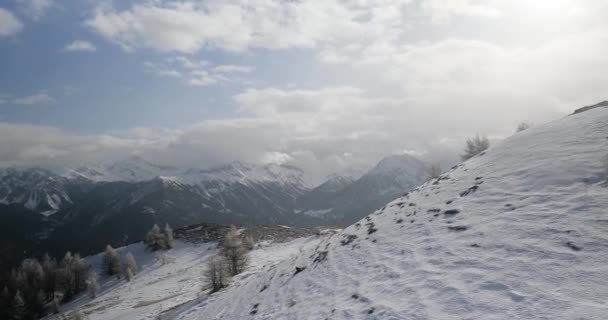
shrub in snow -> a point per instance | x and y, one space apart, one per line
475 146
523 126
111 262
76 315
235 252
216 273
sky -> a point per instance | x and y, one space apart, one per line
328 85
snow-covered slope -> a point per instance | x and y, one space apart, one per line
162 290
518 232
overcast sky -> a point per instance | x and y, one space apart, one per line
324 84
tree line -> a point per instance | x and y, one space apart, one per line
38 287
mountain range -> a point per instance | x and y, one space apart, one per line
83 209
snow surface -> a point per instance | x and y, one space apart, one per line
162 290
518 232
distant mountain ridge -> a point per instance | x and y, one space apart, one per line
345 202
85 208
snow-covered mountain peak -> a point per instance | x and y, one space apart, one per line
34 188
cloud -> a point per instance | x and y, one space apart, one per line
237 26
9 24
233 68
35 9
41 98
197 72
442 10
79 45
28 145
397 76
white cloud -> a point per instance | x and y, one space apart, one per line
229 68
189 26
80 45
196 72
9 24
440 10
418 76
35 9
41 98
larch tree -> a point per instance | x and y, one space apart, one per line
129 266
216 273
111 262
234 251
155 240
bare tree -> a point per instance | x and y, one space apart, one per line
523 126
111 262
216 273
234 251
475 146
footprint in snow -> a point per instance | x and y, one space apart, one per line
495 286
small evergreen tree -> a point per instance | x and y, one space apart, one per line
80 269
111 262
49 266
18 307
155 240
129 266
92 284
168 237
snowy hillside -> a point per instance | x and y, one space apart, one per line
162 290
518 232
